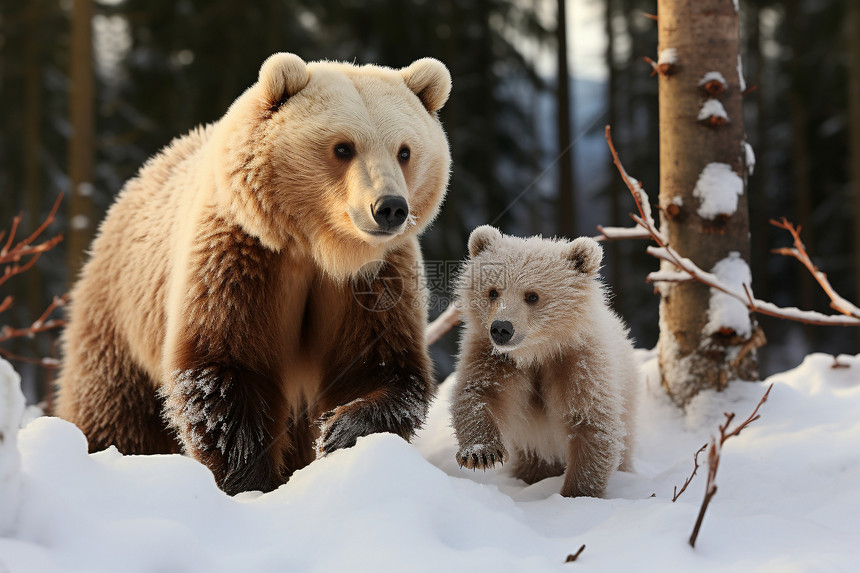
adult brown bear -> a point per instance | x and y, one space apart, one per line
218 313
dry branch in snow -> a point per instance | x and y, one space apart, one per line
676 493
12 257
688 270
573 556
714 450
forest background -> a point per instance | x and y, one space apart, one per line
90 89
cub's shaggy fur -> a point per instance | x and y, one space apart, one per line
256 277
545 373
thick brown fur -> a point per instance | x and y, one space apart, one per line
238 304
558 397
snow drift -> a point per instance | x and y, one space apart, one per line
788 499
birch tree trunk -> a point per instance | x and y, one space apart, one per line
82 144
703 200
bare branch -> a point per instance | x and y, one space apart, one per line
449 318
11 255
664 252
676 493
40 325
573 556
715 448
15 222
48 220
618 233
837 303
49 363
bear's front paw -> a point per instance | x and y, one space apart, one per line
482 456
341 427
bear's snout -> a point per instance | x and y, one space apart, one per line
390 211
501 331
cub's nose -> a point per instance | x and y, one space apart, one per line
501 331
390 211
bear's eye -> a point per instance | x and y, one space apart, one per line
532 297
404 154
494 294
344 151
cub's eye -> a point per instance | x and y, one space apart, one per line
532 298
344 151
494 294
404 154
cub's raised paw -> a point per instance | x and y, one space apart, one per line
482 456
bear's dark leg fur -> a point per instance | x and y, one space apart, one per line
397 405
386 385
224 397
531 468
230 419
299 450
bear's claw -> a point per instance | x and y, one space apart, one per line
481 456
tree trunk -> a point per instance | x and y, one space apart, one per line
612 119
82 144
566 202
701 335
853 33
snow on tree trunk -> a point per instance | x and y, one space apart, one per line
11 410
703 180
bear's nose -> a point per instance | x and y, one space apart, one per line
501 331
390 211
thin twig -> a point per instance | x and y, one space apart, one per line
574 556
676 493
837 303
714 450
10 255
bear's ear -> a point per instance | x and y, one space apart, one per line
282 76
430 80
481 238
585 255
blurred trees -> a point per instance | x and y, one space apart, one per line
163 66
82 139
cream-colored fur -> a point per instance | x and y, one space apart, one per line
218 307
560 392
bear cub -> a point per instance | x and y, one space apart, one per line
545 375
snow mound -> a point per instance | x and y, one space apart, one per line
789 494
11 412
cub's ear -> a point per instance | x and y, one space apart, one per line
430 80
282 76
481 238
585 255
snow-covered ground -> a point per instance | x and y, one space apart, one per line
788 498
